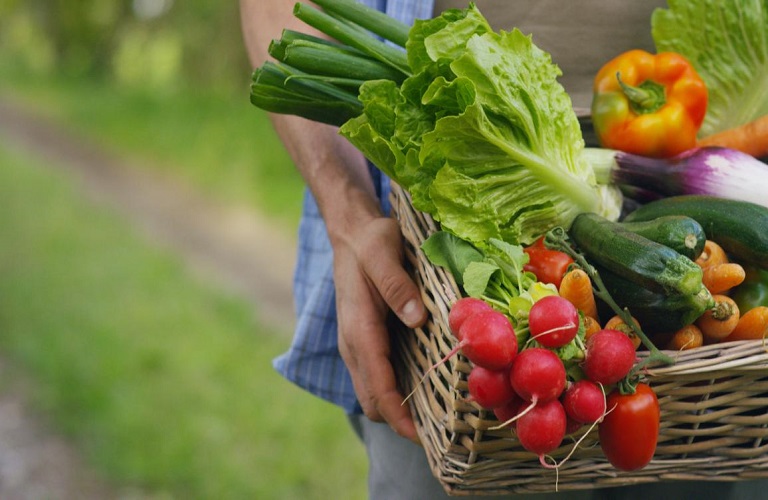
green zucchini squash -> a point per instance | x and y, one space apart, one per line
678 232
635 258
740 227
655 312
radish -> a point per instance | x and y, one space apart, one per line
584 402
542 429
488 340
490 388
571 426
463 309
538 375
553 321
609 358
508 411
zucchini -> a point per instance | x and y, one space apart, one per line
678 232
740 227
635 258
655 312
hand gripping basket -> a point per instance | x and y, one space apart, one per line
714 406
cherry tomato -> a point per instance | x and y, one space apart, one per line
630 430
548 265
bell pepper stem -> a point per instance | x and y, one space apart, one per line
648 97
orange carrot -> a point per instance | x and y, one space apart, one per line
719 321
750 138
720 278
591 326
576 287
711 255
752 325
616 323
687 337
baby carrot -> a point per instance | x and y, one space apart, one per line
752 325
616 323
576 287
687 337
750 138
711 255
717 323
591 326
719 278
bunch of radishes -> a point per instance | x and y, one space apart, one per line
530 389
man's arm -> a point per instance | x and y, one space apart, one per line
367 245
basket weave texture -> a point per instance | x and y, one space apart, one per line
714 405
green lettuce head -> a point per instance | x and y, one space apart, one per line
482 136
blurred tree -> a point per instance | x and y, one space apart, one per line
82 32
193 42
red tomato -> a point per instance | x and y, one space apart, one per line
549 266
630 430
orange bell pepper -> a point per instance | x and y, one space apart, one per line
650 105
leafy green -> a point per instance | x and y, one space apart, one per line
727 43
482 135
495 274
446 250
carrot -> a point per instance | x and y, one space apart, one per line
711 255
591 326
687 337
616 323
720 278
719 321
750 138
576 287
753 325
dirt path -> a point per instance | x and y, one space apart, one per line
232 247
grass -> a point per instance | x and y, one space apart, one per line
215 140
164 382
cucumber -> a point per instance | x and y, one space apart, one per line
678 232
635 258
740 227
655 312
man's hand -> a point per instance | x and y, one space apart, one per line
370 280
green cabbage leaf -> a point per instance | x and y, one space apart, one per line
727 43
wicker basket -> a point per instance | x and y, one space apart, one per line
714 406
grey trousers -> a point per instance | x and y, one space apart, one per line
398 470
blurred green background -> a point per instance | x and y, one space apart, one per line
162 380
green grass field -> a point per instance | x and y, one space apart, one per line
162 381
216 141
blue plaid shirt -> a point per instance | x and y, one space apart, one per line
313 361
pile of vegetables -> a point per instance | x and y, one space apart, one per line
474 125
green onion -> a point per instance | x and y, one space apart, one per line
319 78
322 59
280 89
353 36
373 20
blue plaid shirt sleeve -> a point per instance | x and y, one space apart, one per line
313 361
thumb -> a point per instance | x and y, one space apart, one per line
402 295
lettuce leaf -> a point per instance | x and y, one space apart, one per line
482 136
727 43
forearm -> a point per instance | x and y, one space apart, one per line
334 170
368 272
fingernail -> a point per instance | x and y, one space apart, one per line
411 312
